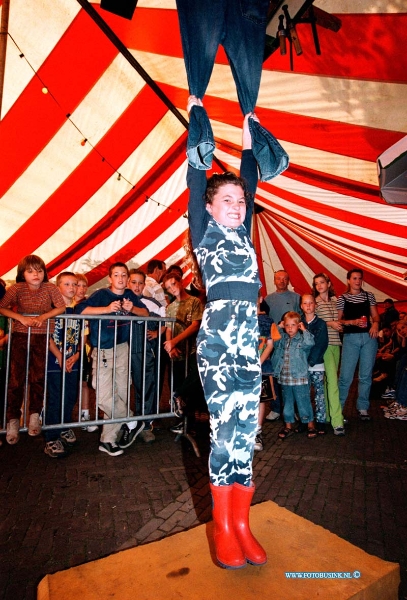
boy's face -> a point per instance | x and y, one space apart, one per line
173 287
118 280
308 306
67 286
136 284
81 290
291 326
387 332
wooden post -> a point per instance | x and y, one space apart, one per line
5 11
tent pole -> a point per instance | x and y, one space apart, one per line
116 41
5 12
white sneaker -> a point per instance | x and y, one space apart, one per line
89 428
258 443
272 416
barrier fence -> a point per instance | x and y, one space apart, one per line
150 356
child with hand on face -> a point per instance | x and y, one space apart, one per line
290 366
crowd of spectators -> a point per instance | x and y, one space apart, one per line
309 348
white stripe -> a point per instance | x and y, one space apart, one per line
357 102
159 140
36 28
359 6
358 259
142 219
96 114
318 160
157 4
382 268
360 208
278 206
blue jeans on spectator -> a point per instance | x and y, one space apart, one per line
54 401
240 26
357 347
401 381
143 365
299 394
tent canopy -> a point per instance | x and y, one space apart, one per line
93 162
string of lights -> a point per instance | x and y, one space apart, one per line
84 139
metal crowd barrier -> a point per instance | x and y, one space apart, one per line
156 414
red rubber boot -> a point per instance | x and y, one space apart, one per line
228 551
241 501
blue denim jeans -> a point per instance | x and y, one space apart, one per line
401 381
54 401
240 26
299 394
357 347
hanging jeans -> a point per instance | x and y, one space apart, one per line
240 26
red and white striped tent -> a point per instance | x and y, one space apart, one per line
93 162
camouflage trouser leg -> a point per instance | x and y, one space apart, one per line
229 367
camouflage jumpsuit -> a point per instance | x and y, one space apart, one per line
227 343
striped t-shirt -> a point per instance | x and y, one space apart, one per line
328 311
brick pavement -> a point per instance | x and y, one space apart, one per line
59 513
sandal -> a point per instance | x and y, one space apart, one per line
321 428
312 433
285 433
302 427
13 434
34 426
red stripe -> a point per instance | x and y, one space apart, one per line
386 284
128 205
368 46
164 253
351 52
118 143
356 141
137 244
168 251
70 71
340 215
288 264
345 250
333 183
319 179
257 247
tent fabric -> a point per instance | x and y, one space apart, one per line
93 163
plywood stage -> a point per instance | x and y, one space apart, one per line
183 567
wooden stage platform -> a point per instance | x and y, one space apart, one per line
183 566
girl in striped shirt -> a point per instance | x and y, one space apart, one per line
32 294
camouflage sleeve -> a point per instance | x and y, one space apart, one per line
197 214
248 170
